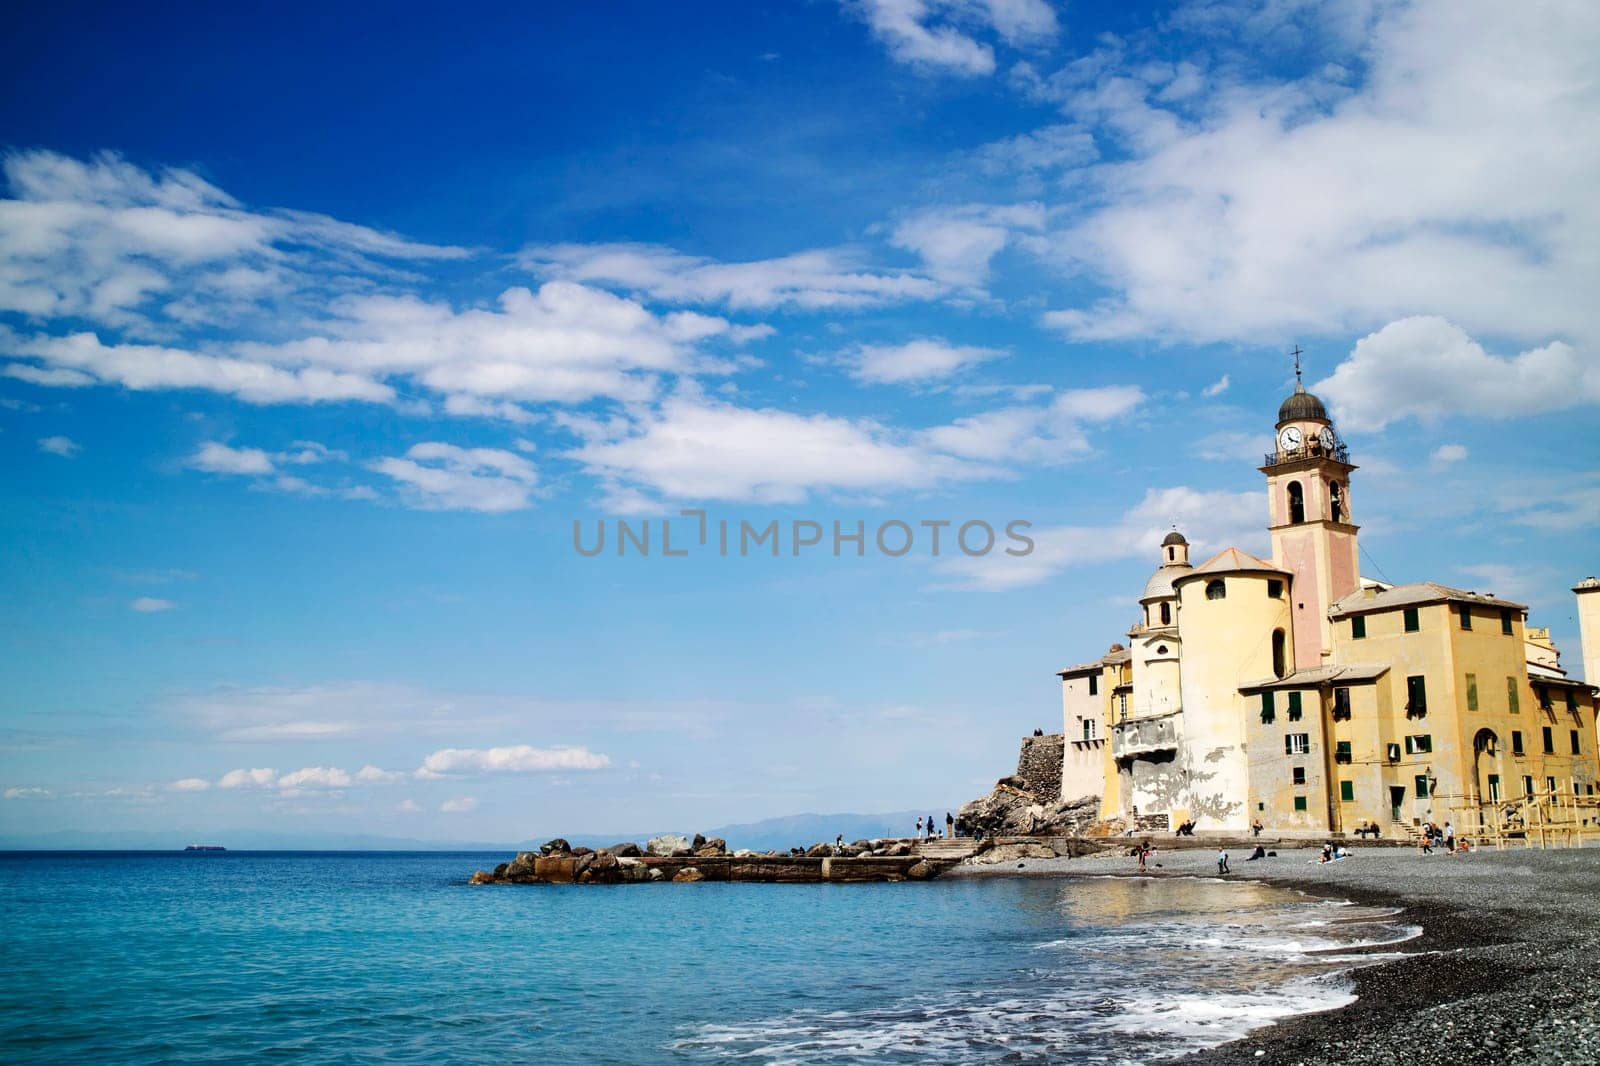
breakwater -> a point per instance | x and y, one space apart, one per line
679 859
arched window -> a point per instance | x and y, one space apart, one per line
1166 614
1216 590
1172 554
1297 503
1336 499
1280 657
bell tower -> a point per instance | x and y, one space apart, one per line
1309 518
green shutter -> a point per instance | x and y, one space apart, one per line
1358 627
1299 803
1294 706
1413 621
1472 692
1505 622
1422 786
1347 791
1269 709
1511 695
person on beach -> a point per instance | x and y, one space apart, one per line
1449 837
930 827
1222 861
1144 855
1255 827
1259 853
949 825
919 827
1427 840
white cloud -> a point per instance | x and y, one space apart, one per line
818 279
915 361
151 604
901 26
1048 434
190 784
1449 453
109 241
957 244
145 367
1210 520
458 805
518 759
1217 387
372 775
444 477
216 458
1044 150
335 711
1263 209
65 447
258 778
694 448
28 793
407 806
925 33
1428 368
315 777
1100 404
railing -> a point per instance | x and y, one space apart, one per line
1314 450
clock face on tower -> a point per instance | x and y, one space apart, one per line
1327 439
1290 439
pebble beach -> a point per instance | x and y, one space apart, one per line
1505 969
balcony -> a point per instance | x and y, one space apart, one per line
1312 449
1137 737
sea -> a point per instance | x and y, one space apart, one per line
393 958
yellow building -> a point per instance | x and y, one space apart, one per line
1293 692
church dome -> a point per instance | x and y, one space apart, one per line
1173 538
1159 587
1301 406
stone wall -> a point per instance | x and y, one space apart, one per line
1039 765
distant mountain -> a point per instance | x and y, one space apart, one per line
782 833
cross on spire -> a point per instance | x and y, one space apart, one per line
1296 353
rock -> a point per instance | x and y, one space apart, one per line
745 853
603 869
667 844
521 866
688 874
500 871
1013 852
898 850
683 853
921 871
481 877
583 851
819 851
654 874
698 842
557 846
1010 810
632 869
627 848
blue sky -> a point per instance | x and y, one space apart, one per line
319 332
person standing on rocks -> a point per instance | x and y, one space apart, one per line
1222 861
930 827
919 827
949 825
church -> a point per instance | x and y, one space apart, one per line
1295 693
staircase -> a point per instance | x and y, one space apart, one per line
944 850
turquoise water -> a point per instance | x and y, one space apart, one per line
389 958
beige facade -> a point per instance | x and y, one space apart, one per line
1292 692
